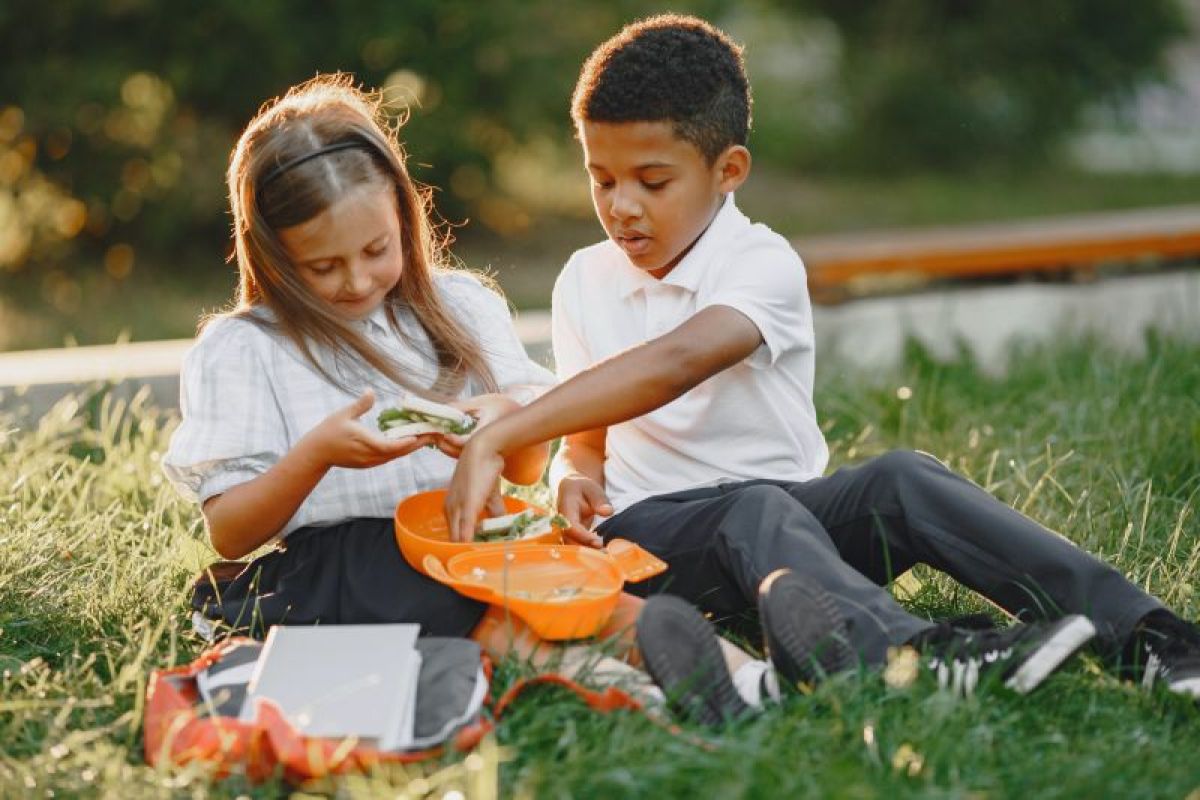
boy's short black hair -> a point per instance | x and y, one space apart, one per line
669 68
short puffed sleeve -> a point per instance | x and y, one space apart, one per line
232 429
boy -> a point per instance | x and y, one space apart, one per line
685 343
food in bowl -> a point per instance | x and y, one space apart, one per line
421 528
523 524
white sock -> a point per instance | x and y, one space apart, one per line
754 679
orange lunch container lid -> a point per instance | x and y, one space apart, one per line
539 573
561 591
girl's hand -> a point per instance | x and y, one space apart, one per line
580 499
340 440
484 408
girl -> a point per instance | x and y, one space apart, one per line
344 302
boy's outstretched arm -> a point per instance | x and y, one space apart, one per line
524 465
618 389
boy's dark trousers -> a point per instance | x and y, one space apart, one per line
853 531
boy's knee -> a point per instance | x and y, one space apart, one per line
759 510
903 466
759 497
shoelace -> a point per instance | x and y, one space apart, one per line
1169 642
959 677
1150 672
1162 645
959 669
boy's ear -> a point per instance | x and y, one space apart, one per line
732 168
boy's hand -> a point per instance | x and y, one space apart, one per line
483 407
580 499
340 440
474 481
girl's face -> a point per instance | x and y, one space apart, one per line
350 255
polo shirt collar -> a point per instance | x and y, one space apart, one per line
376 319
688 272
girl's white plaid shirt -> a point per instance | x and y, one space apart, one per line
247 396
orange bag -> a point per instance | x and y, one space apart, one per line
179 730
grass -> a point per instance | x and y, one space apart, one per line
96 552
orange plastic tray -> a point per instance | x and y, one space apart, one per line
560 591
421 529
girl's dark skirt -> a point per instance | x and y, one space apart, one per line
342 574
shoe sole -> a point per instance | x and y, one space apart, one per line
1066 637
804 631
682 654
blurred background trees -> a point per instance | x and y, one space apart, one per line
116 116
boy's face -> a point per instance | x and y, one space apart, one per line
655 193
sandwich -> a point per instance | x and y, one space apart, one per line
525 523
416 415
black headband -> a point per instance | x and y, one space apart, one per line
298 160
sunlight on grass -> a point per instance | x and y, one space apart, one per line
97 552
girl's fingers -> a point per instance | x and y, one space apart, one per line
361 405
394 448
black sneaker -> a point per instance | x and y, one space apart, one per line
680 651
804 633
1023 656
1165 650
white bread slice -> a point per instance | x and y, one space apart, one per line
410 429
495 524
422 406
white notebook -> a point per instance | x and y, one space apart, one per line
341 680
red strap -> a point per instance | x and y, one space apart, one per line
611 699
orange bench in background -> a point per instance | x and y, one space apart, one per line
845 265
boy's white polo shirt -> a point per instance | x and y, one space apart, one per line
753 420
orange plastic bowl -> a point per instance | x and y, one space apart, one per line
561 591
421 529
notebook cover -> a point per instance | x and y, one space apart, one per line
339 680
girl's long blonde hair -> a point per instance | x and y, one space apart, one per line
326 110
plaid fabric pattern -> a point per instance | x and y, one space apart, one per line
247 396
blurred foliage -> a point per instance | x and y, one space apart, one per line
954 83
116 116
